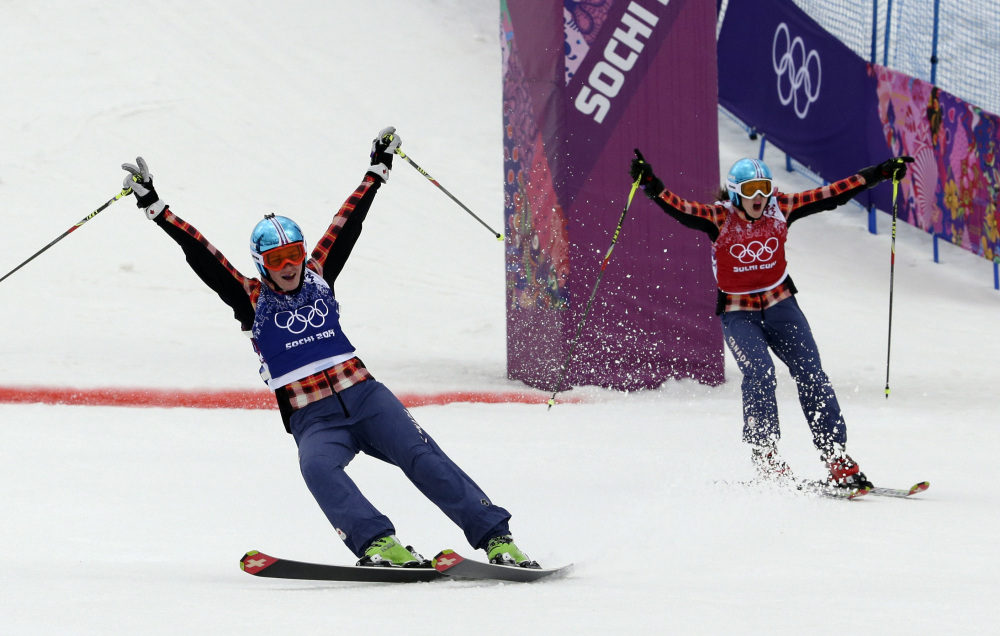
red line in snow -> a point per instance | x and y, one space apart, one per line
231 399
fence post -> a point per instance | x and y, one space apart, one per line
934 57
888 25
872 219
874 31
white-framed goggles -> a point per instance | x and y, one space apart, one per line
753 187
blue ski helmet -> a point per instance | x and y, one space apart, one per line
273 231
747 170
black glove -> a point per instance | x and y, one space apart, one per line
383 148
141 183
643 172
894 168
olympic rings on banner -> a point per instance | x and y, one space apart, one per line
798 66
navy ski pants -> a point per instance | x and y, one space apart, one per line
783 329
368 418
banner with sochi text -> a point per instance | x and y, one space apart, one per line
584 83
814 98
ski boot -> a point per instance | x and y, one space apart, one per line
844 471
769 465
501 550
389 552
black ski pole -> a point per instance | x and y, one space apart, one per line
900 161
124 192
593 293
892 276
406 158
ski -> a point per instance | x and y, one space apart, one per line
260 564
895 492
823 489
446 565
452 564
810 487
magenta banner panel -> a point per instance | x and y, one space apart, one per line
585 83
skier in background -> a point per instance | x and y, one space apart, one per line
328 400
748 227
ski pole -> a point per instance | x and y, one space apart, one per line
900 161
892 275
593 293
406 158
123 193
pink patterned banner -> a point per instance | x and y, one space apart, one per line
955 179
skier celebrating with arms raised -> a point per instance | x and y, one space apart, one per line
328 400
756 301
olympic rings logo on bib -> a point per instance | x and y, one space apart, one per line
754 251
304 317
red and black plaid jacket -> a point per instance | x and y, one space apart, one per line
710 219
241 293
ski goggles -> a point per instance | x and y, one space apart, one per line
277 258
753 187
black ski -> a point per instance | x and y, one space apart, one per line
260 564
452 564
894 492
